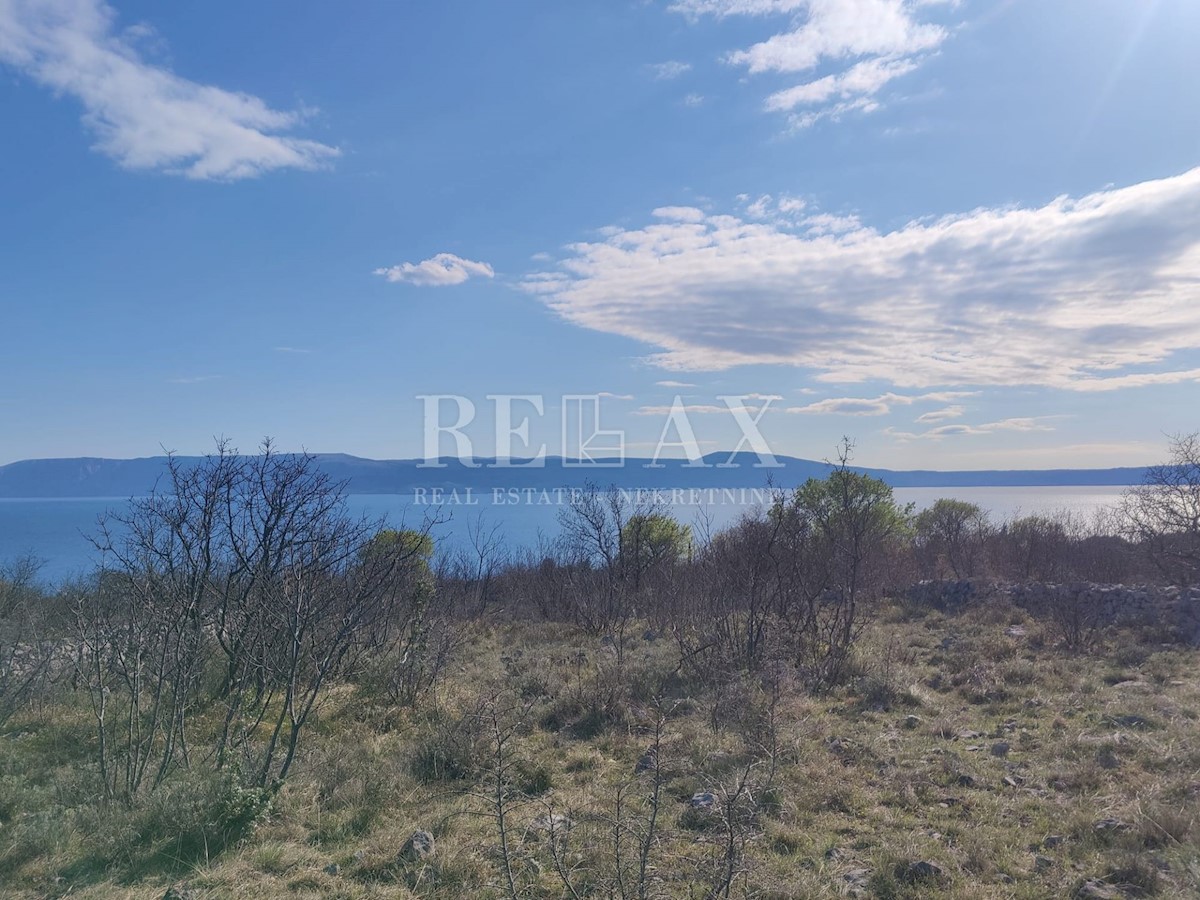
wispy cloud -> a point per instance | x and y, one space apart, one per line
873 42
145 116
442 270
1089 294
942 415
874 406
195 379
675 384
667 71
1025 424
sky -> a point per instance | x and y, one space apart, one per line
963 234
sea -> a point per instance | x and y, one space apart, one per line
57 532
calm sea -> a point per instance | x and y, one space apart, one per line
56 531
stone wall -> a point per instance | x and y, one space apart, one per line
1177 610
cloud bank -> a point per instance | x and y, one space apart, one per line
142 115
1089 294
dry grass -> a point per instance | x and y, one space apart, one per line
903 764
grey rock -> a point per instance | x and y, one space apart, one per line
552 823
1001 748
1098 890
918 871
1042 863
1052 841
420 846
1109 825
911 722
181 892
646 763
702 800
332 869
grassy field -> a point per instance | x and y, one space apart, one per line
966 758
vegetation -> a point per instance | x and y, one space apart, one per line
261 696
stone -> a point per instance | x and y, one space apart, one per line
1098 890
911 722
181 892
917 871
1106 759
1109 824
420 846
965 780
332 869
702 800
1053 840
646 763
1001 748
1042 863
552 823
1128 721
1015 631
858 878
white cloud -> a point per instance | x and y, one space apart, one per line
941 415
1027 424
441 270
1096 293
875 406
667 71
144 116
872 42
675 384
196 379
678 214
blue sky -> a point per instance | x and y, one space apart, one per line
965 234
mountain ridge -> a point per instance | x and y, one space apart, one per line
91 476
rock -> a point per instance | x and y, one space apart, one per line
1106 759
552 823
857 879
1128 721
965 780
332 869
1053 840
1010 781
702 800
911 722
181 892
969 735
1109 825
1042 863
419 846
650 635
1001 748
647 763
1015 631
360 855
1098 890
918 871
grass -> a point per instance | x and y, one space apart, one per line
895 767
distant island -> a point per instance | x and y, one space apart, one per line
98 477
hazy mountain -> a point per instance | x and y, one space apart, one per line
95 477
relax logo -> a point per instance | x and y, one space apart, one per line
585 443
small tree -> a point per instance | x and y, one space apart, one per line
949 537
841 533
1162 515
